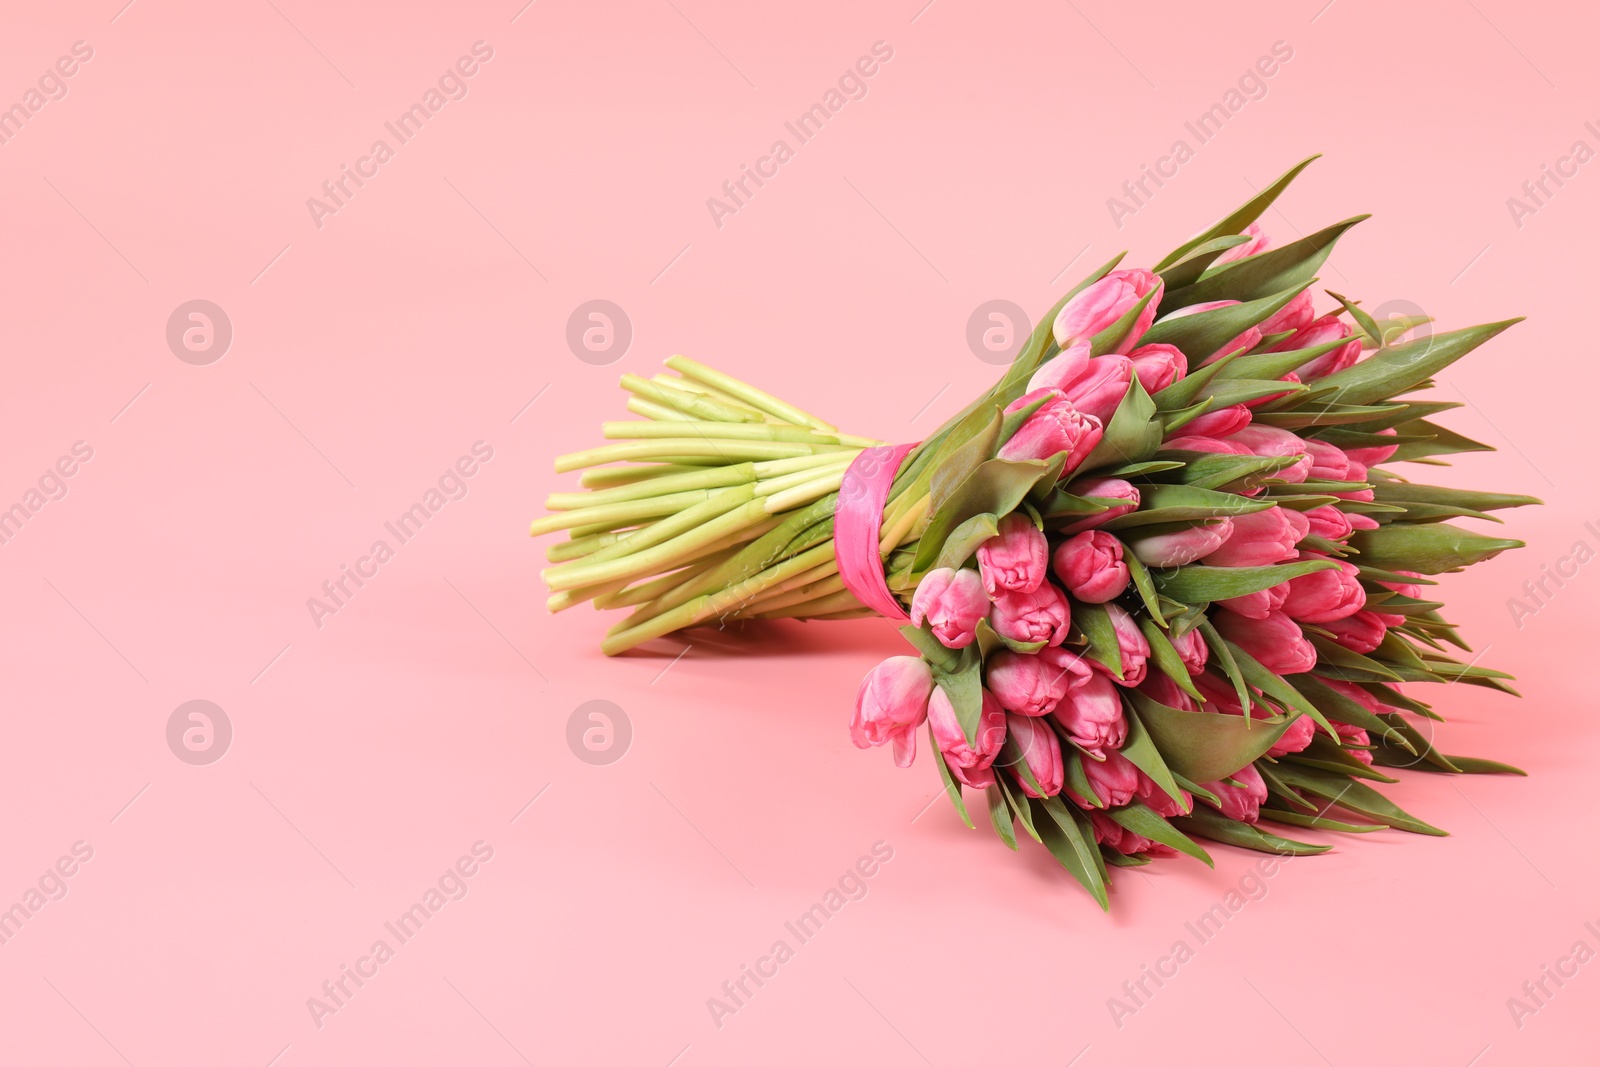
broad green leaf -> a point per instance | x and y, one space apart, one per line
1142 753
1133 435
1286 267
995 486
1178 503
1391 371
1276 688
1000 817
1236 221
1312 822
964 687
1145 586
1408 493
1166 657
1218 827
1206 746
1187 270
1145 822
929 647
958 466
1110 338
952 788
1348 793
1430 549
1072 843
1216 470
1094 622
965 539
1203 333
1198 582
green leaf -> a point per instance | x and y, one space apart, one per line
1198 582
1223 653
963 459
1271 365
1183 391
964 687
1133 435
1072 844
1409 493
1233 391
1178 503
1201 334
1108 339
1313 822
1218 827
1188 269
1145 587
1206 746
1094 622
1145 822
1000 817
1166 657
1339 707
1216 470
1236 221
1019 805
1353 795
952 788
1438 441
995 486
1391 371
1286 267
929 647
1363 321
1427 549
1141 751
1336 661
965 539
1274 687
1475 765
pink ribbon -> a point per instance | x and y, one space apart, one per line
858 525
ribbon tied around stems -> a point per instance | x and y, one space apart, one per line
858 525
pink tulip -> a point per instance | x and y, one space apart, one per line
1192 650
1242 343
1061 370
1036 684
1135 647
891 704
1015 559
1261 440
1296 315
1410 589
1329 523
1276 641
1365 697
1259 242
1241 802
1260 538
1301 732
1374 454
1328 462
1202 443
1103 303
1270 397
1112 780
1156 799
968 764
1324 596
1219 423
952 602
1356 473
1158 366
1100 388
1041 615
1090 566
1328 328
1041 754
1055 427
1091 714
1260 604
1361 632
1361 522
1181 546
1105 489
1112 834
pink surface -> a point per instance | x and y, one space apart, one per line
412 339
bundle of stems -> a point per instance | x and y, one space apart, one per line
717 505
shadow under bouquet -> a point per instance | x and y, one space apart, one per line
1162 581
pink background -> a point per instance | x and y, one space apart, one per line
368 354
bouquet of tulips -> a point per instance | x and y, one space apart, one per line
1162 579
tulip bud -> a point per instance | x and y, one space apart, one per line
1041 615
1260 604
1296 315
1091 714
1158 366
1328 462
1062 370
1301 732
1090 566
1240 802
1201 443
1276 641
1361 632
1100 388
1103 488
1270 441
1192 650
1242 343
1258 243
1181 546
1036 684
968 764
1261 538
1055 427
1112 834
891 704
1219 423
1328 328
1164 690
952 602
1015 559
1374 454
1329 523
1156 799
1113 781
1040 753
1100 305
1135 647
1324 596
